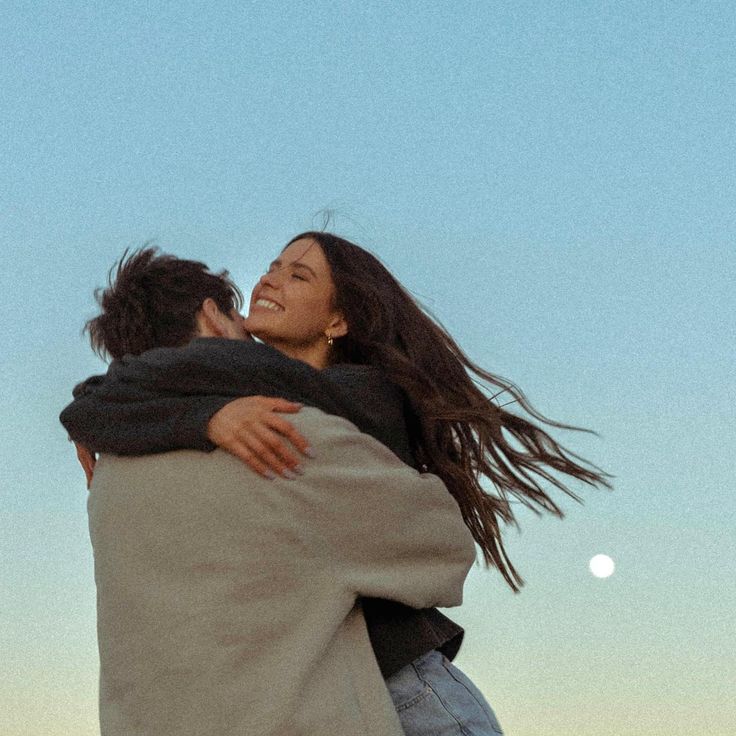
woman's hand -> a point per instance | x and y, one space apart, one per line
251 429
87 460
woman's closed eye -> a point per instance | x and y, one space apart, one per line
294 274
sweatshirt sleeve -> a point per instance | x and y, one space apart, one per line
163 399
147 425
385 529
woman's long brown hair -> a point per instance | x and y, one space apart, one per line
458 432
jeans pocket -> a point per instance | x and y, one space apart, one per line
411 702
407 688
465 682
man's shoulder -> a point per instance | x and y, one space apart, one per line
338 444
178 466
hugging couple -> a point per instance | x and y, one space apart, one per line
271 576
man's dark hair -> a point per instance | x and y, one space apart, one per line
151 301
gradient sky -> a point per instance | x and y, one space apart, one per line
554 180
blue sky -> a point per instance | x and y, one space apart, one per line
555 181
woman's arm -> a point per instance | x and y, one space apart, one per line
206 367
165 398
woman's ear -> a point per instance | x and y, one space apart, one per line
338 326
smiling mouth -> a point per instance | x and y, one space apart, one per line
268 304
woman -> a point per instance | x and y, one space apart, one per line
456 431
330 304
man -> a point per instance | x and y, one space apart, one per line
227 602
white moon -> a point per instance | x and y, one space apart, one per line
602 566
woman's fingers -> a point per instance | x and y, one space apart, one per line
290 432
273 403
280 426
244 453
258 456
252 429
278 448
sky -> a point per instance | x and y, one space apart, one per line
553 180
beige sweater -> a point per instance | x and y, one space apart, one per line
227 602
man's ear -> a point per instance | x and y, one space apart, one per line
338 326
210 319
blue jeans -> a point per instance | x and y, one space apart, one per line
434 698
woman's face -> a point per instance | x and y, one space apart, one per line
291 305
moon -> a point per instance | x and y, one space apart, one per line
602 566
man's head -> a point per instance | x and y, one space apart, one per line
158 300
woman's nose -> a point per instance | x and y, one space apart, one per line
271 278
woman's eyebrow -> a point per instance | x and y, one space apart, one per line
296 264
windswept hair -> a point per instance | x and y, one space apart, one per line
152 299
458 431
